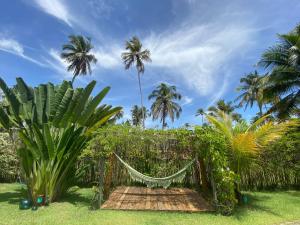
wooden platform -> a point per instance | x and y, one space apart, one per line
140 198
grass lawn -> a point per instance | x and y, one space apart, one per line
264 208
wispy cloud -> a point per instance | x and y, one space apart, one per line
195 55
14 47
186 100
56 8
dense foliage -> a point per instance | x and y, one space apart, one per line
278 165
53 124
214 149
8 158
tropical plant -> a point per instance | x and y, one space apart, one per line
283 63
54 124
201 112
252 87
226 107
77 54
164 104
137 115
136 55
246 141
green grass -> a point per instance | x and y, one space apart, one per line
263 208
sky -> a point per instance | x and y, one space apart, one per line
203 47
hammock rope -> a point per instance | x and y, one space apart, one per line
151 182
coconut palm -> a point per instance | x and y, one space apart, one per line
283 63
252 87
137 115
226 107
77 54
200 112
164 104
135 55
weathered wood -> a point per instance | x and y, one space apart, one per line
140 198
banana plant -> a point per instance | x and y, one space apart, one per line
54 123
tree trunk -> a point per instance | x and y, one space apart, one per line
141 94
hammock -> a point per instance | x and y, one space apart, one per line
151 182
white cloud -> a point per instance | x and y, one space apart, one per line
195 55
55 8
58 64
14 47
108 58
186 100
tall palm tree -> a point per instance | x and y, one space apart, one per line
252 87
164 104
137 115
77 54
200 112
136 56
226 107
283 63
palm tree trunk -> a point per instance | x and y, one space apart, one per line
73 79
163 122
141 94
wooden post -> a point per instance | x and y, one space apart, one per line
108 176
203 175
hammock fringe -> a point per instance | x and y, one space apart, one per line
151 182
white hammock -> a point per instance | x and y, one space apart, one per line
151 182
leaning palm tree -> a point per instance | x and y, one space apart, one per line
200 112
137 115
164 104
136 55
252 91
283 63
246 141
77 54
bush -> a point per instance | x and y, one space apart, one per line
8 159
212 147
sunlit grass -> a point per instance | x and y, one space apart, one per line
263 208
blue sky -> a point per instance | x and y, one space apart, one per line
201 46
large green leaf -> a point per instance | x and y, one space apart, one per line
58 97
63 106
92 105
24 92
83 100
11 98
50 103
4 119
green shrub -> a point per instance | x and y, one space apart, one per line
212 146
8 159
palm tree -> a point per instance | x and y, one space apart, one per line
226 107
137 115
164 104
252 87
246 141
283 63
136 55
77 54
200 112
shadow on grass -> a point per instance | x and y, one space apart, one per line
77 199
11 197
254 204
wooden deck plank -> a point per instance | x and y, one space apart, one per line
141 198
